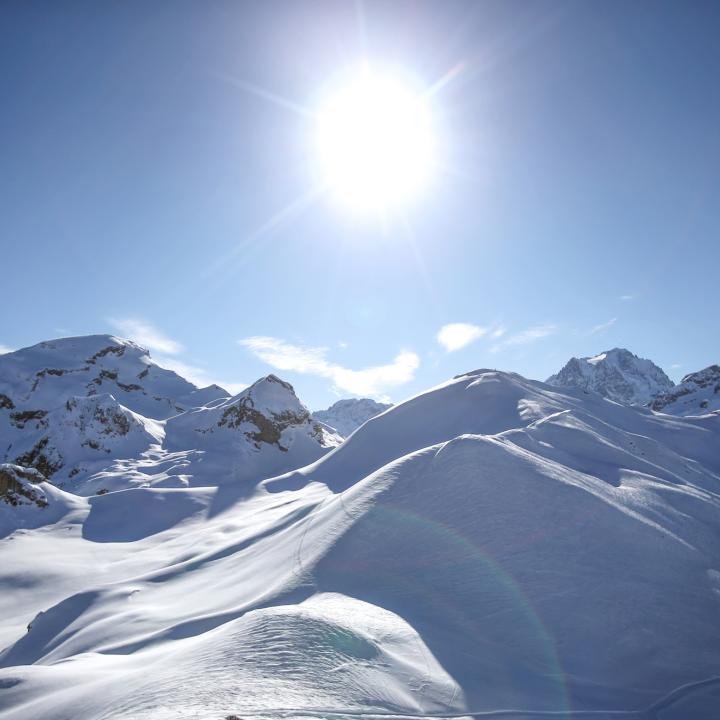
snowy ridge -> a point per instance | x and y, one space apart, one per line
347 415
492 544
616 374
697 393
44 376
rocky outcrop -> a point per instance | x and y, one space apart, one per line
18 486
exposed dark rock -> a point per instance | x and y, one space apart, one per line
128 388
118 350
19 419
269 429
16 486
37 458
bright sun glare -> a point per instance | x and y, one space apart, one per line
375 142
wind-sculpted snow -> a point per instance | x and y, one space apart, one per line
494 545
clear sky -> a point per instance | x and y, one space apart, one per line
157 166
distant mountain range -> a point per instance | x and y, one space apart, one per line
72 407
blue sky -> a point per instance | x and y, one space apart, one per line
149 189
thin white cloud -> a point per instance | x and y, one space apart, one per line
372 381
458 335
602 327
498 332
197 375
145 334
676 366
5 349
525 337
625 298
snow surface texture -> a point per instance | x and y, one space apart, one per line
96 413
494 545
346 416
615 374
697 393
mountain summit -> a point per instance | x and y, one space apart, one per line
349 414
616 374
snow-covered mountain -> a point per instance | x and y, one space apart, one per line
44 376
349 414
490 545
96 413
697 393
616 374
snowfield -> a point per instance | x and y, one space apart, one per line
495 546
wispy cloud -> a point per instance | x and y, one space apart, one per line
197 375
625 298
145 334
165 352
498 332
373 381
457 335
676 366
5 349
525 337
602 327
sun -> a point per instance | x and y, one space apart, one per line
375 141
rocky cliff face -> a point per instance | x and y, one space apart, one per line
346 416
616 374
698 393
19 486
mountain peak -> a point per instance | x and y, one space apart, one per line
348 414
617 374
44 376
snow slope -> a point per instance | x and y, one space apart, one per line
697 393
492 545
616 374
347 415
